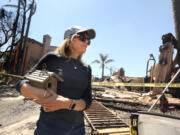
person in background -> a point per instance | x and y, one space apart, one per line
62 112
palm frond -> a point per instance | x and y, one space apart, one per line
95 61
109 60
103 57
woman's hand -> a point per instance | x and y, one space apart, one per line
53 102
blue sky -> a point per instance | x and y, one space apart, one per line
127 30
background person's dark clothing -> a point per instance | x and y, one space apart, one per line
76 85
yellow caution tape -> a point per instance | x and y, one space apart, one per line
174 85
12 75
6 86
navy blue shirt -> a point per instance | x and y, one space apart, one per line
76 84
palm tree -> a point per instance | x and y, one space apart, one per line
103 61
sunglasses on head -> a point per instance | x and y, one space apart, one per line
83 37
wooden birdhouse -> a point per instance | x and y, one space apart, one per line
44 79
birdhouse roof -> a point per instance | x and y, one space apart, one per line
42 76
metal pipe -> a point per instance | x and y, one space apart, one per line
164 90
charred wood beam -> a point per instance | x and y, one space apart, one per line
130 102
124 108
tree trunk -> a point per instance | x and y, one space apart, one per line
176 13
102 72
19 53
32 11
15 25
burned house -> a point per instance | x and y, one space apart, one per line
34 50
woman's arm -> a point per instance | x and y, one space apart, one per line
85 102
80 105
33 92
87 96
57 102
23 85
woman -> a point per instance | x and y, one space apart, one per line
62 112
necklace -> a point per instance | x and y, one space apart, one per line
74 66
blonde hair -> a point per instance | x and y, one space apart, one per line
64 49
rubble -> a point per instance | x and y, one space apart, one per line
116 95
